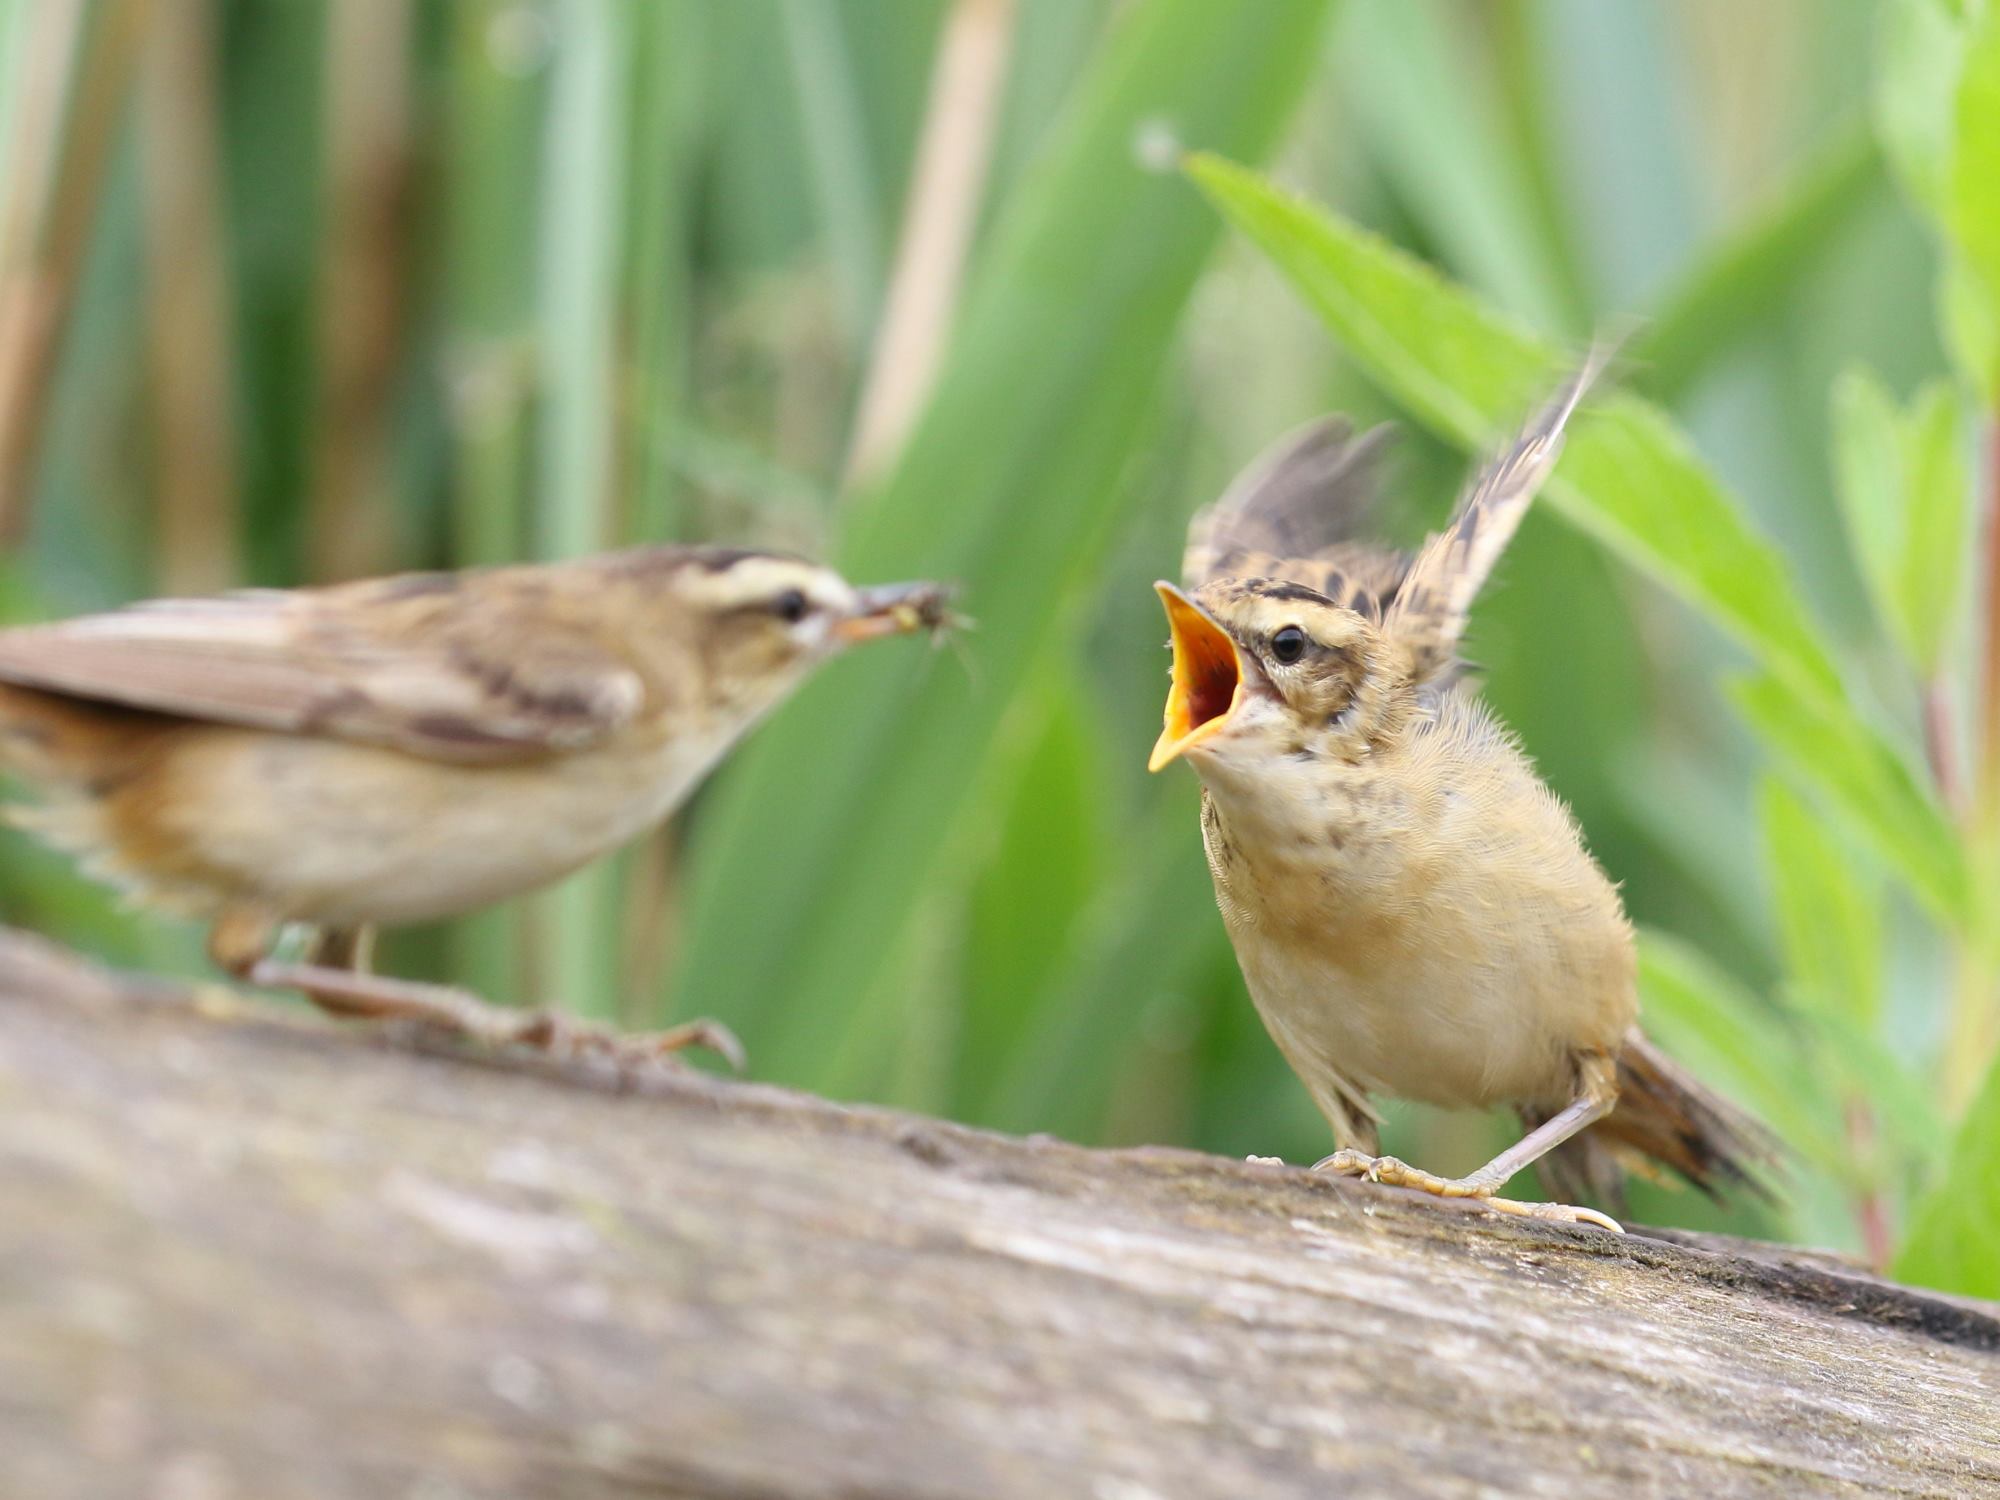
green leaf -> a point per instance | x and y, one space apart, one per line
810 862
1972 204
1630 478
1920 52
1150 927
1969 316
843 177
582 234
1627 476
1463 368
1829 919
1030 889
1869 784
1931 581
1956 1226
1739 1044
1868 475
1905 497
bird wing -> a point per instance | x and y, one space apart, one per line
443 666
1430 608
1295 513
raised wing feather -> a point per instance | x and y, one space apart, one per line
1430 609
447 667
1309 492
1295 514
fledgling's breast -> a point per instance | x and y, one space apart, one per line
1431 930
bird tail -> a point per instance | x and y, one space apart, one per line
1664 1115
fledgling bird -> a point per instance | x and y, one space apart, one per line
1414 911
408 748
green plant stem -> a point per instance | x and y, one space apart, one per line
1971 1035
1939 747
583 227
1878 1241
1989 657
35 305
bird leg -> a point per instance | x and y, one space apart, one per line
350 948
342 987
343 992
1597 1096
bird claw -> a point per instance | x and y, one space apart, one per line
709 1035
1555 1213
1391 1172
1348 1162
558 1035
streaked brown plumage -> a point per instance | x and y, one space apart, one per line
1414 911
407 748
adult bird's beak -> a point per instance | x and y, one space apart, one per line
896 609
1208 678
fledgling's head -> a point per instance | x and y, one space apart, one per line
1267 672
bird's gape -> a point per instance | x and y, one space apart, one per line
1207 678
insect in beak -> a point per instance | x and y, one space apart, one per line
898 609
1208 678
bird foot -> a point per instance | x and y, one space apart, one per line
342 992
1392 1172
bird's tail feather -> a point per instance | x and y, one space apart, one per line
1664 1116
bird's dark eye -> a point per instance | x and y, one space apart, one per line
1289 644
791 606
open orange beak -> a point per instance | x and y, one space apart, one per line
1208 678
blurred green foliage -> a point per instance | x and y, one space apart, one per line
292 290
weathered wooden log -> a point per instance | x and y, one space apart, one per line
246 1255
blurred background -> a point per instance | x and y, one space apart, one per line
300 290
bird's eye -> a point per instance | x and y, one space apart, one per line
1289 644
791 606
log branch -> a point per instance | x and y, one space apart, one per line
246 1253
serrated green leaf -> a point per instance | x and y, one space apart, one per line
1920 52
1904 497
1630 477
1868 482
1931 580
1461 367
1972 205
1969 317
1627 476
1957 1225
1829 919
1868 784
